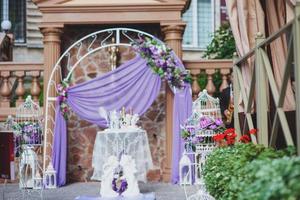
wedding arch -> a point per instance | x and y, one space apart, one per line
135 78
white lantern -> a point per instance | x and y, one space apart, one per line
50 177
185 173
27 167
37 181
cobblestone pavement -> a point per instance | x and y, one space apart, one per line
163 191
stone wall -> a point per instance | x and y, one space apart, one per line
81 134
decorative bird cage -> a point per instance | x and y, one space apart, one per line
206 105
200 128
28 125
28 131
185 170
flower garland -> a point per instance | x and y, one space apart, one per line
162 62
62 98
119 185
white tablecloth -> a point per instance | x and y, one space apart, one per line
132 142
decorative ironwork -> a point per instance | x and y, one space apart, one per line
95 42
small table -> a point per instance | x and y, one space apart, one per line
133 142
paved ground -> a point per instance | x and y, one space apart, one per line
163 191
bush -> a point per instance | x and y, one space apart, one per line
224 170
222 45
271 179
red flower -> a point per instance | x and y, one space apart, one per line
245 139
253 131
219 137
229 130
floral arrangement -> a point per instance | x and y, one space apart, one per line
228 137
62 98
26 133
212 124
225 138
191 138
119 183
161 60
193 134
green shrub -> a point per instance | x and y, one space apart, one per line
271 180
217 80
222 45
223 169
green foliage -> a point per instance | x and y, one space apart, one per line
222 45
217 80
271 179
225 170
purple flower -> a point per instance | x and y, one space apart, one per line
170 62
161 56
219 122
204 122
159 62
60 88
196 139
121 188
213 126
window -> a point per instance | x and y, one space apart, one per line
15 12
200 24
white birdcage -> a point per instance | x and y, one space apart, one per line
28 131
28 124
206 105
206 114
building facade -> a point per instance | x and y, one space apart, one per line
202 18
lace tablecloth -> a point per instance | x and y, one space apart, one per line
132 142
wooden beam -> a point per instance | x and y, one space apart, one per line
245 100
261 98
236 99
297 70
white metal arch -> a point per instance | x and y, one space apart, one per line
96 41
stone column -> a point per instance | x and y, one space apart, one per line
52 52
173 37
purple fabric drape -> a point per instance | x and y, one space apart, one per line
182 110
59 153
132 85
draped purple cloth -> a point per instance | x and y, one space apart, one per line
132 85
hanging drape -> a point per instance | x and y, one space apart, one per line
246 19
290 10
276 18
132 85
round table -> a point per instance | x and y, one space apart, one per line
131 141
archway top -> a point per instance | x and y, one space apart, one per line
183 4
108 11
